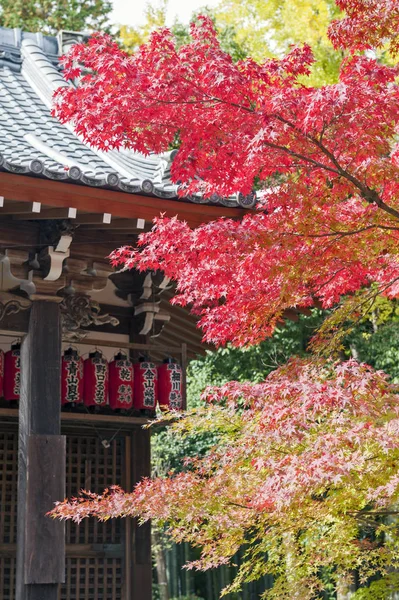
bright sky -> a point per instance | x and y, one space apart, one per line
130 12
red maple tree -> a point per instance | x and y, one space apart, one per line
309 453
325 158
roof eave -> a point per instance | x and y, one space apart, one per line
23 188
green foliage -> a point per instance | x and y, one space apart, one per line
375 340
382 589
50 16
253 363
255 28
269 27
155 17
132 38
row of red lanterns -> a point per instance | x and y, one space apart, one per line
94 382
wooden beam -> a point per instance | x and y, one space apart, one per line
19 234
41 481
19 208
92 219
141 557
120 204
47 213
88 420
132 346
118 224
75 550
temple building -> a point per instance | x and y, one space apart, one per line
63 208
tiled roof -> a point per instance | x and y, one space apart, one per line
34 143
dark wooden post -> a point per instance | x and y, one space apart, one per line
141 570
41 462
142 560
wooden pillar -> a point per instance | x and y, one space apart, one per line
41 461
141 568
141 556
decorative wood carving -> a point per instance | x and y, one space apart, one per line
11 304
143 290
78 312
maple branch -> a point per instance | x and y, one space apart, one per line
302 157
367 193
230 503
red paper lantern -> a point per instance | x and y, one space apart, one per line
145 385
170 385
120 382
71 378
95 371
12 373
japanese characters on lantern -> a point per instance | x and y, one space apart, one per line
71 378
95 389
170 386
12 373
93 382
145 386
120 382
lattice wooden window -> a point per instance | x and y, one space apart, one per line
91 466
8 512
93 579
7 578
94 565
8 487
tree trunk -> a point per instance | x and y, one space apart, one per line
160 563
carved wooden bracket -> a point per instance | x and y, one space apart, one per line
78 312
149 319
52 270
85 276
51 259
143 290
11 304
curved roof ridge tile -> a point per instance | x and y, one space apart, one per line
40 72
36 143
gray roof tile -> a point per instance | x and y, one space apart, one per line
33 142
